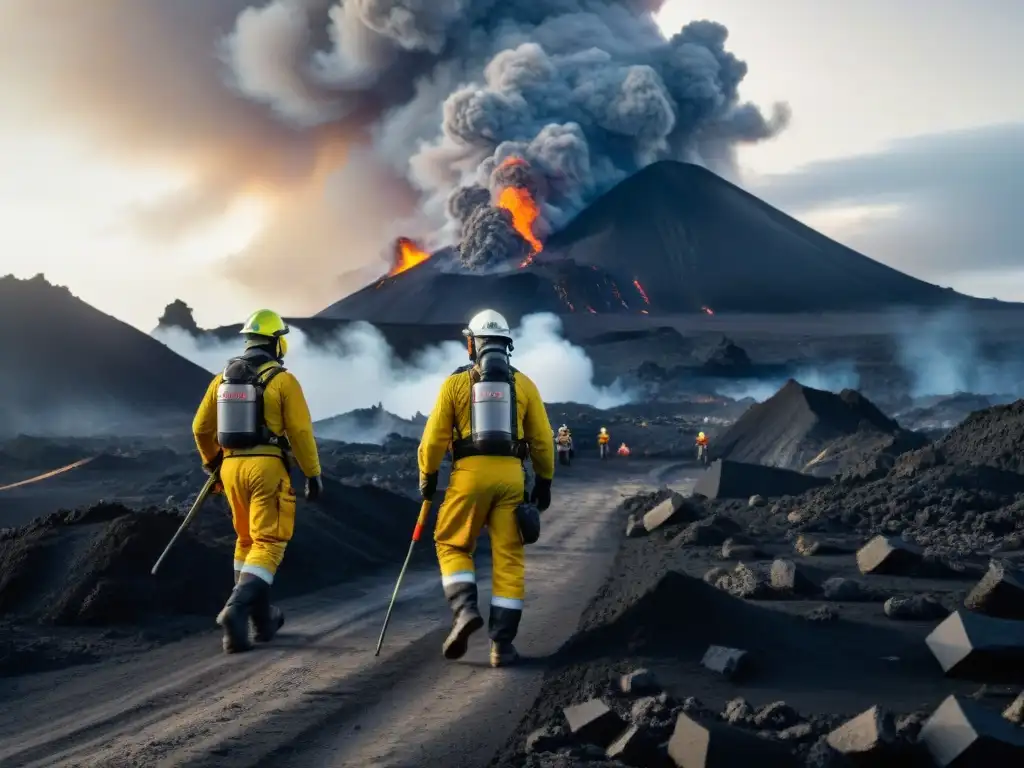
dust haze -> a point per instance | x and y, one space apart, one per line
359 370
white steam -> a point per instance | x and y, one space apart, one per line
942 354
358 369
831 378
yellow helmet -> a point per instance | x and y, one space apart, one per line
700 434
603 429
265 322
266 325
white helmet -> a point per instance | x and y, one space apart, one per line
488 324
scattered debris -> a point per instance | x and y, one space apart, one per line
962 733
915 608
713 745
1000 592
594 722
978 647
889 555
732 663
787 578
674 510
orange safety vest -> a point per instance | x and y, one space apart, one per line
702 441
603 439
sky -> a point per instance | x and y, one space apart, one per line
906 143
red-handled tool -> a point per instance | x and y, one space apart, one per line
421 521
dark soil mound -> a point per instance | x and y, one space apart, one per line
92 567
72 370
993 437
812 430
965 494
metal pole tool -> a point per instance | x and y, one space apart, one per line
203 495
416 533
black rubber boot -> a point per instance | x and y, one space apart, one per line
267 619
503 654
234 617
503 626
462 598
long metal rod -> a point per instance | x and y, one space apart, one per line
421 521
203 494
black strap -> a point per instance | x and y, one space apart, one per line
517 449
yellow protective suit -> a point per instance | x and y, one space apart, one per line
484 490
255 480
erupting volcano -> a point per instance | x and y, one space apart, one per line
672 239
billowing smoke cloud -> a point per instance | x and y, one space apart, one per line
359 370
269 99
943 353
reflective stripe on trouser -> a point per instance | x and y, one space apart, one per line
483 490
262 502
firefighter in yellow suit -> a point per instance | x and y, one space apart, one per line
251 422
492 417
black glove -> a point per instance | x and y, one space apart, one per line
541 495
314 488
214 465
428 486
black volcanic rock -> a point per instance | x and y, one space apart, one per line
726 358
814 431
673 238
369 425
74 370
178 314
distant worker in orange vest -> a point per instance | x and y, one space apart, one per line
702 447
602 442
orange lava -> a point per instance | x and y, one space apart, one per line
707 310
524 209
407 256
641 291
623 450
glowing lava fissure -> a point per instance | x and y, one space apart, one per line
407 256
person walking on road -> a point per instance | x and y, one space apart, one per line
602 442
702 448
250 423
492 417
563 445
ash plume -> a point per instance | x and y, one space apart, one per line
272 99
464 201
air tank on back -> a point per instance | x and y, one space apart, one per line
238 410
493 401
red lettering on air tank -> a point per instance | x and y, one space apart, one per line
491 395
234 396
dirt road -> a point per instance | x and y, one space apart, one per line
317 696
